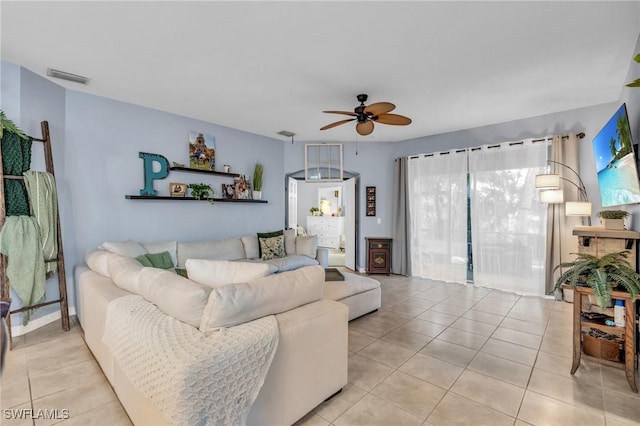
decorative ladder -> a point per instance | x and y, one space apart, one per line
62 282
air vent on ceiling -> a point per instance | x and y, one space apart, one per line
67 76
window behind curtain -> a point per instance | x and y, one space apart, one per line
438 210
508 223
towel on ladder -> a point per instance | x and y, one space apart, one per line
16 159
43 203
20 242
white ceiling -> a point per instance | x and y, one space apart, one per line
267 66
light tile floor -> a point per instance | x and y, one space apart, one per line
434 354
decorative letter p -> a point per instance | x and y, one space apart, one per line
150 175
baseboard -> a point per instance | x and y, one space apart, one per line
19 330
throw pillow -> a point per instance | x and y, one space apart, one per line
251 246
216 273
307 245
267 235
171 247
127 248
156 260
272 247
290 241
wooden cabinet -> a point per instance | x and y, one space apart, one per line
378 255
329 229
620 352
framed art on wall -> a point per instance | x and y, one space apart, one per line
177 189
371 200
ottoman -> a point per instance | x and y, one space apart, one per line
361 294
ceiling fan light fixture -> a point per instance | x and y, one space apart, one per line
367 114
63 75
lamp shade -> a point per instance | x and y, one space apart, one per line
548 181
552 196
577 208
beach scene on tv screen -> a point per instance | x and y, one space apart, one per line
615 162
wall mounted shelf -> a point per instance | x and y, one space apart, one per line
217 200
208 172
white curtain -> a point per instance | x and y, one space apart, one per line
438 214
508 223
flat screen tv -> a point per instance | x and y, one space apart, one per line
615 162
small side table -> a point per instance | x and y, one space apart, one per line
378 255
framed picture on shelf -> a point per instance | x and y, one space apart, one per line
243 187
177 189
228 191
202 154
371 200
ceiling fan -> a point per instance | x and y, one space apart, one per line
366 115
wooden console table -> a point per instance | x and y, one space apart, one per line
626 333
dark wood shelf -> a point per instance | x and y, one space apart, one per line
166 197
208 172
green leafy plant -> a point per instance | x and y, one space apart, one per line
312 210
636 82
603 274
9 126
258 170
613 214
201 191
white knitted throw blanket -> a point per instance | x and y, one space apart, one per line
193 378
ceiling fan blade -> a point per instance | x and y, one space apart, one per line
365 128
394 119
342 112
380 108
337 123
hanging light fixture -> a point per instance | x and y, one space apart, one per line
548 181
552 196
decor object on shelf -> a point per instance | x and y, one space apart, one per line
201 155
258 171
243 187
366 115
226 168
176 164
149 174
371 201
613 219
315 211
610 272
228 191
201 191
551 193
177 189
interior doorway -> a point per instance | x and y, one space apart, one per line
338 203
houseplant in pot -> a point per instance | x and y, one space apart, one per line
258 170
201 191
613 219
603 274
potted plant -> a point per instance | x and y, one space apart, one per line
258 170
603 274
613 219
201 191
315 211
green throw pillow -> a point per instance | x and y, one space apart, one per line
267 235
181 272
272 247
156 260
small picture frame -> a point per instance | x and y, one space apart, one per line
228 191
243 187
177 189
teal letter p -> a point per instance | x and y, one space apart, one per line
150 175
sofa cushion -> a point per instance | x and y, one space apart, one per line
98 261
251 246
227 249
290 241
272 247
291 262
176 296
352 284
214 273
171 247
307 245
124 271
127 248
235 304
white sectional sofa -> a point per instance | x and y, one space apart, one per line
310 361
